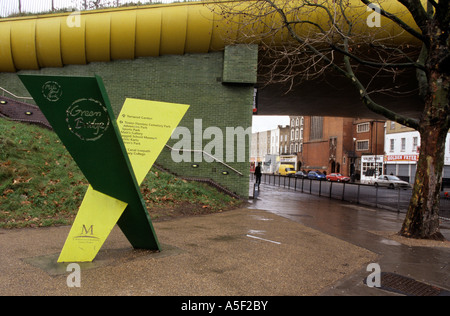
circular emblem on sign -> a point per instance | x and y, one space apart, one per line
88 119
52 91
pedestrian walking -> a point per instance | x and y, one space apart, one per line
258 174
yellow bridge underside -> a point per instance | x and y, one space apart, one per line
126 33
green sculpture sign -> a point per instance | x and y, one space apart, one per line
80 113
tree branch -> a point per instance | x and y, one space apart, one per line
302 41
375 107
348 73
398 21
378 65
418 12
434 4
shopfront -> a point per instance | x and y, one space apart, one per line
371 167
402 166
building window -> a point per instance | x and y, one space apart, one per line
392 125
296 148
415 144
391 147
297 122
333 141
362 145
296 134
363 128
403 148
316 128
301 133
292 134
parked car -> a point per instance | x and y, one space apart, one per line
316 175
391 182
337 177
301 174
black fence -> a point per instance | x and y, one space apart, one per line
381 197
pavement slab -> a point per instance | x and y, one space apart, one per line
240 252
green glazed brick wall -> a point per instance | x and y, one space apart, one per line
196 80
236 67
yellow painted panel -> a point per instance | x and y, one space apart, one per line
173 30
98 37
224 32
23 44
48 42
123 34
148 32
169 29
73 39
199 29
6 60
145 127
95 220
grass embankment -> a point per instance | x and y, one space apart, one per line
40 184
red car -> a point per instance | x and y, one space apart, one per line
337 177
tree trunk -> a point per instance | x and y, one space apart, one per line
422 219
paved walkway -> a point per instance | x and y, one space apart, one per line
370 228
282 244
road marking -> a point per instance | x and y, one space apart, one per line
275 242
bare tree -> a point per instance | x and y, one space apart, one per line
303 39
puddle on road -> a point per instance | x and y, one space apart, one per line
390 242
261 218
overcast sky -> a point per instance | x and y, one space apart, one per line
268 122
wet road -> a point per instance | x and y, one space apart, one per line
382 197
354 223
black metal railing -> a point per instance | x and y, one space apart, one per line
381 197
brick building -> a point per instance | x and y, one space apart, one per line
296 134
336 144
284 139
367 155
